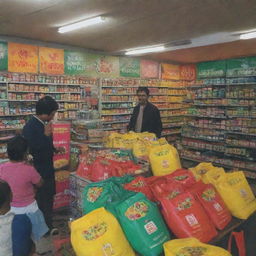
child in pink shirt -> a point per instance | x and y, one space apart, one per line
23 178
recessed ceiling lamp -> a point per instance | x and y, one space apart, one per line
249 35
145 50
81 24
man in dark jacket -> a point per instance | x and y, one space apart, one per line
38 132
145 116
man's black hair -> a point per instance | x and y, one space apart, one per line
46 106
17 148
143 89
5 193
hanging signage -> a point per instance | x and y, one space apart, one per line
170 71
22 58
211 69
61 138
129 67
188 72
102 66
3 56
149 69
75 62
51 61
241 67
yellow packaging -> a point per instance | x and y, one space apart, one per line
140 148
162 141
117 140
147 136
164 159
99 234
129 139
192 246
237 194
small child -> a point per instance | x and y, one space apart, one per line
15 230
23 178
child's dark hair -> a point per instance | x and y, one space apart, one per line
5 193
143 89
17 148
46 106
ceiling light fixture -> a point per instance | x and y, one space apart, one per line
81 24
249 35
145 50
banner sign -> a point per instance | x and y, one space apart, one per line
102 66
3 56
22 58
211 69
149 69
61 138
188 72
129 67
75 62
170 71
241 67
51 61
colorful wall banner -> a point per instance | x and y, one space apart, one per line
188 72
211 69
61 138
170 71
3 56
241 67
149 69
51 61
75 62
22 58
102 66
129 67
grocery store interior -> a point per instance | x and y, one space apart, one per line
184 180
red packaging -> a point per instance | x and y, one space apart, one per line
213 204
100 170
182 176
186 217
139 184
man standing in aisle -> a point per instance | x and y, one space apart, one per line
145 116
38 132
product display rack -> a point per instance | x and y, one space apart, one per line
230 140
118 98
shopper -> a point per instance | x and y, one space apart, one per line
22 178
15 230
38 132
145 116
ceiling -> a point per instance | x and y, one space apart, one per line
136 23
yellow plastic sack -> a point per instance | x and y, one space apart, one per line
129 139
191 247
162 141
147 136
117 140
164 159
140 148
237 194
99 234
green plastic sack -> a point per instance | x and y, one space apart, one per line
121 180
143 225
103 194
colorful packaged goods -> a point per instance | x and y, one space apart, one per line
99 233
137 215
192 247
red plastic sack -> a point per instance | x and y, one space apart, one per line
182 176
161 188
186 218
83 170
139 184
213 204
240 242
101 169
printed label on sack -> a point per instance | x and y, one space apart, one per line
136 211
208 195
192 251
95 231
165 164
217 207
93 194
150 227
108 249
191 219
187 203
243 193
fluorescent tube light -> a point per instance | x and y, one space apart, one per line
145 50
248 35
81 24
